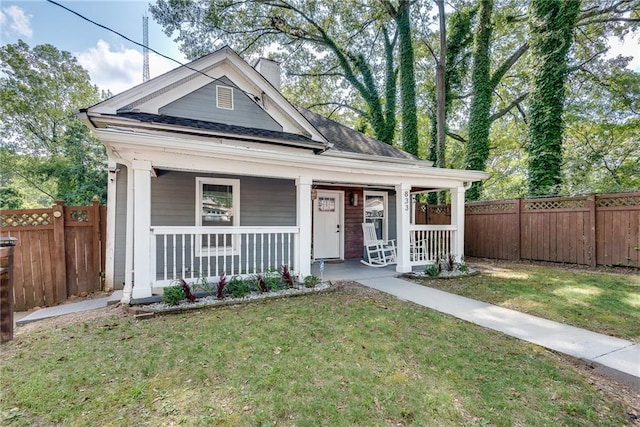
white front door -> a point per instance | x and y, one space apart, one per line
327 225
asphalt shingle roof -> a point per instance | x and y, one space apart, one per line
348 140
221 127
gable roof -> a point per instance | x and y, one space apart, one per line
142 107
347 140
160 91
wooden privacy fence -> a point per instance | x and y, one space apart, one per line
59 253
601 229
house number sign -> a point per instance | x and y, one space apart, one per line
405 200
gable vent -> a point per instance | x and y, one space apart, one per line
224 97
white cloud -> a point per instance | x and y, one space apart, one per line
629 46
18 22
119 70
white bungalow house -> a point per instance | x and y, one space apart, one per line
212 170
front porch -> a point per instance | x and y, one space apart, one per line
195 252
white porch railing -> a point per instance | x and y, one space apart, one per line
427 242
194 252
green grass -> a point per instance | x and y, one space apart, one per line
341 358
601 302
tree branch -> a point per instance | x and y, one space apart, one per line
507 64
456 137
508 108
338 104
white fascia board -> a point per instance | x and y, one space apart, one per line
218 154
347 155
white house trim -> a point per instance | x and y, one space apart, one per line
142 227
303 219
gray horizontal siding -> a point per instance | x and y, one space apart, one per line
263 201
201 105
391 201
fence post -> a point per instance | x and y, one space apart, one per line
518 238
59 257
97 239
6 288
593 246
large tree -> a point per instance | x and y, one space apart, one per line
552 25
356 43
44 146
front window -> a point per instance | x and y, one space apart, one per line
375 211
217 205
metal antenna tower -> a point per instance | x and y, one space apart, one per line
145 49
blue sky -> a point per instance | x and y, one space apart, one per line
114 63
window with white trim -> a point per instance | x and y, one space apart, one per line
217 205
376 211
224 97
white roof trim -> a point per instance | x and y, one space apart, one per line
184 153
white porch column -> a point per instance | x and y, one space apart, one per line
142 226
303 220
403 220
457 219
109 261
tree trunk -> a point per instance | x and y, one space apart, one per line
552 25
479 122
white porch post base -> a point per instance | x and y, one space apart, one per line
142 225
457 219
403 219
303 244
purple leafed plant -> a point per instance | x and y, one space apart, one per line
286 276
187 291
261 283
222 282
451 262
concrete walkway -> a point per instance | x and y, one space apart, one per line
62 309
611 356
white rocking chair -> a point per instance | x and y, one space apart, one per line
380 253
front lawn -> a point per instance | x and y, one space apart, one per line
601 302
349 357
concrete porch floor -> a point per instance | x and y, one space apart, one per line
351 269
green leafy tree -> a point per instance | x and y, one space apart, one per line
552 24
49 148
344 52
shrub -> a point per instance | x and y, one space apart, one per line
222 282
432 270
272 280
173 294
186 289
462 267
238 287
311 281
